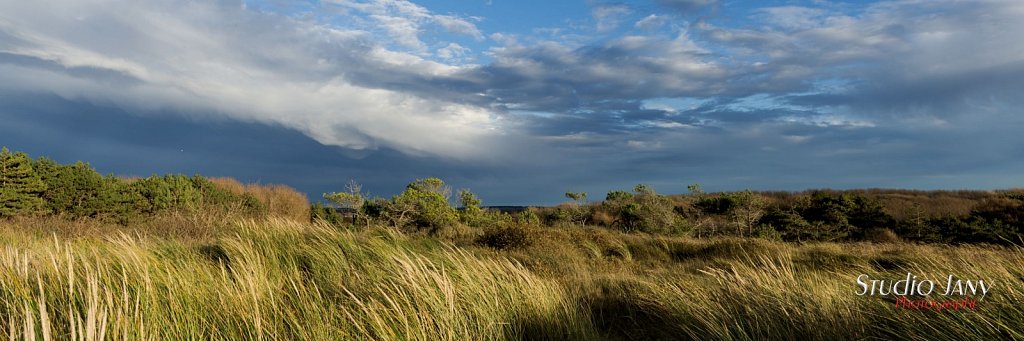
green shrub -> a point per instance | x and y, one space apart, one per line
319 212
789 225
422 206
643 211
426 202
528 217
471 214
767 232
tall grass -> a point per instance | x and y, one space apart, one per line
278 279
268 280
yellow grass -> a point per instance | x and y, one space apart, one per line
279 279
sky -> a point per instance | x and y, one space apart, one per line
521 101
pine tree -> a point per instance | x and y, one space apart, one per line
20 186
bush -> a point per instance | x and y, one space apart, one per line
422 206
789 224
881 235
767 232
280 200
426 202
838 216
570 213
471 214
529 217
718 204
327 214
643 211
78 191
506 237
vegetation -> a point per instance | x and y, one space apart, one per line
995 217
87 256
42 187
77 191
20 187
280 279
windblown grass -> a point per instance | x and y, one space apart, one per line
278 279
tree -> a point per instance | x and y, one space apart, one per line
168 192
319 212
20 186
352 199
645 210
696 211
471 213
695 190
617 197
578 197
576 211
842 216
425 202
747 210
76 190
790 225
121 200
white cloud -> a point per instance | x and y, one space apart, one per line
405 21
211 61
453 51
403 30
459 25
651 22
794 17
609 16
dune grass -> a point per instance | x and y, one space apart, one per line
278 279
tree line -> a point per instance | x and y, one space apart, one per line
814 215
43 187
33 187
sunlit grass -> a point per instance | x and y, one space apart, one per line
279 279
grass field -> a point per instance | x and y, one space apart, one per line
279 279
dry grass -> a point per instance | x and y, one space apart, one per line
278 279
281 200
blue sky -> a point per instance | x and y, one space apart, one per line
521 101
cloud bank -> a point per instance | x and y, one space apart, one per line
806 95
223 61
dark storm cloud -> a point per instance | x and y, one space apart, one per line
115 141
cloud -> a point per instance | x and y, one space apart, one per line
651 22
876 90
793 17
553 76
687 6
609 16
453 52
459 25
217 60
895 60
802 96
405 21
403 30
